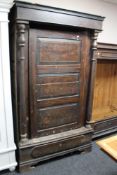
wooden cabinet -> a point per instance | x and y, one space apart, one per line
52 58
105 90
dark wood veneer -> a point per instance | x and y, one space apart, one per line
53 54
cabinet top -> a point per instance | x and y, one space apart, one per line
57 16
107 46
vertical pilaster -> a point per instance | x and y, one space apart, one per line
22 80
92 78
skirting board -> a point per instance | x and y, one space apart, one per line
7 160
104 127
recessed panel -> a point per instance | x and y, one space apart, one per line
47 102
57 116
58 51
59 78
57 69
55 78
57 89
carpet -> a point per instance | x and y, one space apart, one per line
95 162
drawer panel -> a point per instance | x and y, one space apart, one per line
59 146
105 125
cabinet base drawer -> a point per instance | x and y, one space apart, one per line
63 143
104 127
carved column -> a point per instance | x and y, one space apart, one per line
22 80
92 78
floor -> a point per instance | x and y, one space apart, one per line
92 163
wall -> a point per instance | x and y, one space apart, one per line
98 7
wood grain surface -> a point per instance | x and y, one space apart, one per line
109 145
105 90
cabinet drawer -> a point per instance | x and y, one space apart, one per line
59 146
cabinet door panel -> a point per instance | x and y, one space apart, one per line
58 51
57 89
47 102
55 69
42 79
58 81
57 116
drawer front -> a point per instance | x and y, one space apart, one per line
105 125
43 150
59 146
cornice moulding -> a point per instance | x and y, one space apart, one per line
5 6
111 1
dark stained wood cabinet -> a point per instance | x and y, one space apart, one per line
104 114
58 81
53 53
